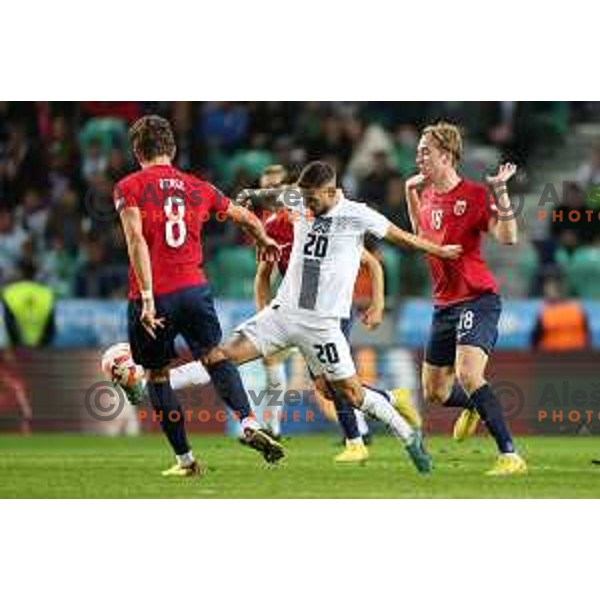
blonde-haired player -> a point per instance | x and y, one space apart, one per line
449 209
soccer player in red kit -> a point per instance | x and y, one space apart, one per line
162 211
448 209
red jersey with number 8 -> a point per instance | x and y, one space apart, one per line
459 216
174 207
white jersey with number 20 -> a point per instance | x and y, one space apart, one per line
325 258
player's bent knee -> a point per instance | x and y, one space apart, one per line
437 395
438 390
213 356
469 379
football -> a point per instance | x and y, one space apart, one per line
117 365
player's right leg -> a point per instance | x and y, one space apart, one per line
154 354
198 322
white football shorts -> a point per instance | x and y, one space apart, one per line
321 341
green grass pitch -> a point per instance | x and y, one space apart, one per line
65 466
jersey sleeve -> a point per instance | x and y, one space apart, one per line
374 222
217 201
126 194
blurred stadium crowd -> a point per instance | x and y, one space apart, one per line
55 156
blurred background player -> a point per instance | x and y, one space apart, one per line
30 323
13 394
453 210
168 293
279 226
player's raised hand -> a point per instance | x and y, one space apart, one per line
372 317
268 250
149 320
450 251
415 181
505 172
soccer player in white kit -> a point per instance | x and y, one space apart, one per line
316 293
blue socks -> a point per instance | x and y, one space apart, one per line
228 383
490 410
346 416
458 397
172 422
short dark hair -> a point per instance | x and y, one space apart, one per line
151 136
315 174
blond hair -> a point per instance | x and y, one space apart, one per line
447 137
275 170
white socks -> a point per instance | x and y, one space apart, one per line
363 428
185 460
277 380
356 442
249 423
377 405
188 375
276 376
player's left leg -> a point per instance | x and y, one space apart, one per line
471 362
377 405
352 421
327 353
276 380
355 450
154 354
172 422
477 333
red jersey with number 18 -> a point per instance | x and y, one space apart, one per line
174 206
459 216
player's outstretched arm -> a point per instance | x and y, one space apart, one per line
412 199
262 284
373 315
399 237
503 226
269 249
139 255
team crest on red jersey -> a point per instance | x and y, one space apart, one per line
460 208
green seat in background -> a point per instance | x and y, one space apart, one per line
392 271
233 271
583 273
